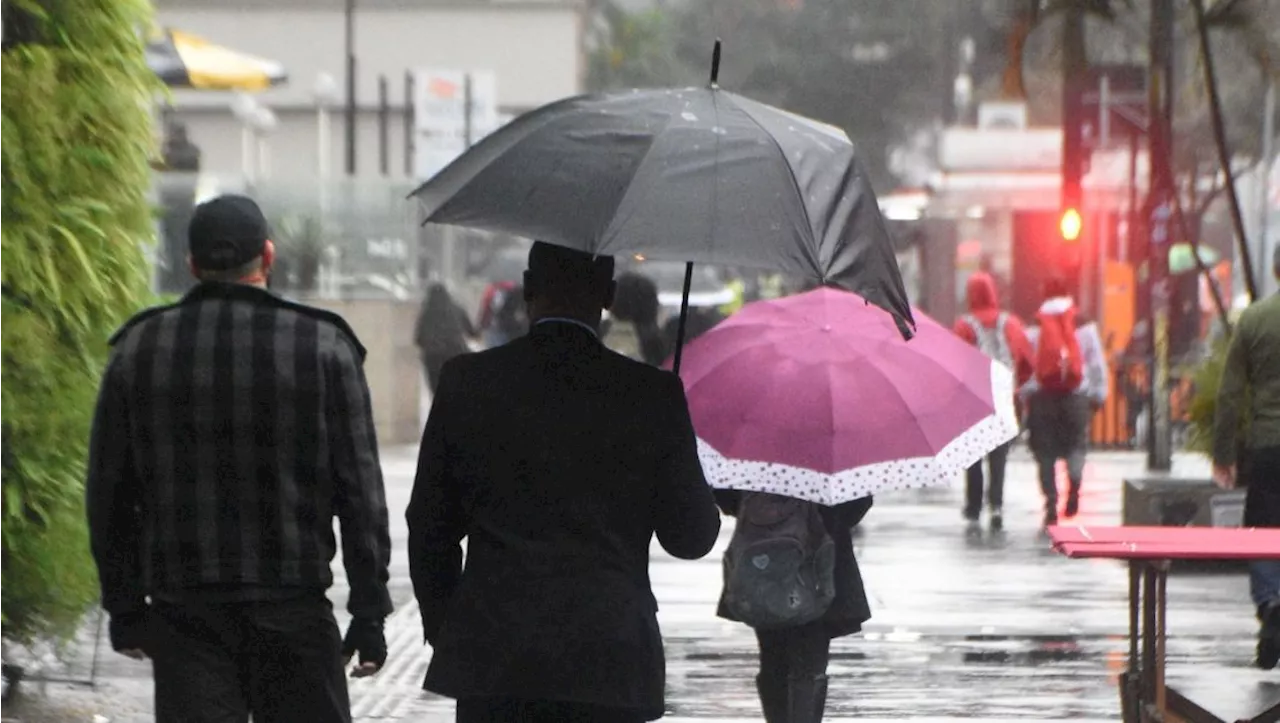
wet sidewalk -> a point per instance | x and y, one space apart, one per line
967 624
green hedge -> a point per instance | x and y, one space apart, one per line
76 97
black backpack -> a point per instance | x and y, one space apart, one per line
779 568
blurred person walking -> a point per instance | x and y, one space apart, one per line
1070 382
441 332
1001 336
231 428
558 461
1249 398
633 321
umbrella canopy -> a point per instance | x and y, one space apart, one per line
183 60
697 174
817 397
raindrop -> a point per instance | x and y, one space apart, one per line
688 116
719 131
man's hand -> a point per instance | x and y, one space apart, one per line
366 637
1225 476
131 633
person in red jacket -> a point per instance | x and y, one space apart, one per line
1000 335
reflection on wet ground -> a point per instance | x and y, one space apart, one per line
967 624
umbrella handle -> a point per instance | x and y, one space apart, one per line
684 312
715 64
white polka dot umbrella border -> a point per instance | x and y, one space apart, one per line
831 489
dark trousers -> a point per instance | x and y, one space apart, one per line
998 459
513 710
279 661
798 652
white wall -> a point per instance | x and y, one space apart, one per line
534 48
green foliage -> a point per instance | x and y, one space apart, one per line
77 138
1206 378
637 50
867 68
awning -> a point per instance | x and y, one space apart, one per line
183 60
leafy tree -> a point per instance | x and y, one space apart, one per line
77 136
870 69
634 49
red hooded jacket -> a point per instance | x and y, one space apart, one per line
984 305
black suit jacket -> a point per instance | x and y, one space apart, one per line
558 460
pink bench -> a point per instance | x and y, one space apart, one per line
1143 694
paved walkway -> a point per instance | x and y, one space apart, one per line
968 625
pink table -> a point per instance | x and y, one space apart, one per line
1143 694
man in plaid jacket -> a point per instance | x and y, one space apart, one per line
231 428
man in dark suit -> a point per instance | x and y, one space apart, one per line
558 460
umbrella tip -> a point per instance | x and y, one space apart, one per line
715 64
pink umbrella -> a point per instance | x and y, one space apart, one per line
818 397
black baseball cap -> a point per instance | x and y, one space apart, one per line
226 232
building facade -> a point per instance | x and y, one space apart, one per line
533 47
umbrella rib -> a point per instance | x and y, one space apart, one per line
617 222
795 182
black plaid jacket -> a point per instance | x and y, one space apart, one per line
231 428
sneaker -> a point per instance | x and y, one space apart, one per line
997 521
1073 505
1050 518
971 515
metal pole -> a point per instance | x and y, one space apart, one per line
351 86
247 143
1132 210
384 118
410 118
1104 111
1074 65
1264 186
467 112
324 148
1160 105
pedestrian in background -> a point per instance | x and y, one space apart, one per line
441 332
558 461
1070 382
1001 336
231 428
633 321
1250 392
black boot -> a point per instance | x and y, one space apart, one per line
773 698
806 698
1269 636
1050 511
1073 501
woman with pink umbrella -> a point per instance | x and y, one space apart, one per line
805 407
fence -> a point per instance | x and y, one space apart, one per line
341 239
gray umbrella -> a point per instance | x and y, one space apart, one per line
697 174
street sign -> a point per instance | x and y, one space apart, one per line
1115 100
441 121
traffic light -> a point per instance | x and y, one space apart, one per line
1070 225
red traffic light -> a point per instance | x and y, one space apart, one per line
1071 225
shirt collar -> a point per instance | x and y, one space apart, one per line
566 320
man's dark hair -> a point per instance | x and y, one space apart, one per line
245 270
566 275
